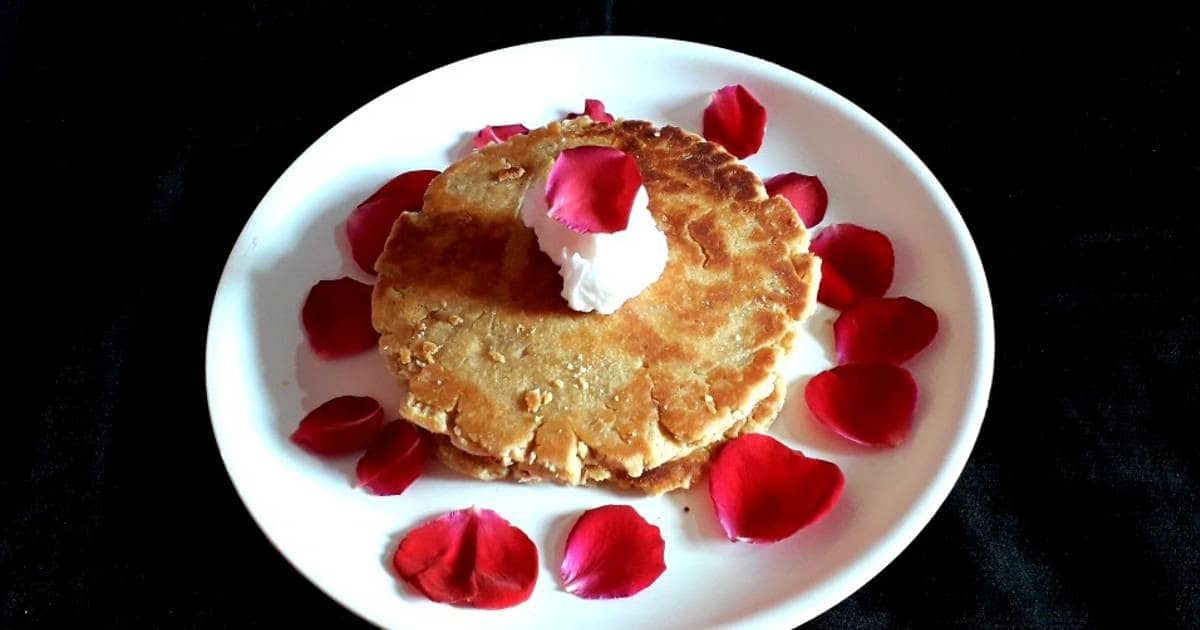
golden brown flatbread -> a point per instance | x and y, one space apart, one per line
471 317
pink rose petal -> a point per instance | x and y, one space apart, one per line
764 491
735 120
591 189
395 460
470 557
369 226
868 403
337 318
856 263
612 552
497 133
883 330
339 426
594 109
805 192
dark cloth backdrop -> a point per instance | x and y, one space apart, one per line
140 139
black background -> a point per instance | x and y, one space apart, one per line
139 142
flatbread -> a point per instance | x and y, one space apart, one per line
471 316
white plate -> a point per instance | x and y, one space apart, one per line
262 377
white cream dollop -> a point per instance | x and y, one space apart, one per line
600 271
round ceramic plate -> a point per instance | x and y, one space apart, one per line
262 377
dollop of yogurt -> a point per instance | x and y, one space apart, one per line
600 271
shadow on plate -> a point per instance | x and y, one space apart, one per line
291 374
700 523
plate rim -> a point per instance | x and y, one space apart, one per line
888 547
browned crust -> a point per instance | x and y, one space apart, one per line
677 473
471 318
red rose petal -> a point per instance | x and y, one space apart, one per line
371 222
342 425
337 318
612 552
883 330
470 557
735 120
395 460
764 491
868 403
856 263
497 133
407 189
591 189
805 192
594 109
